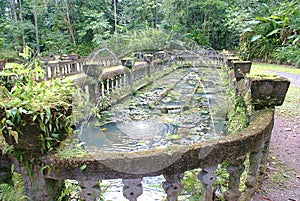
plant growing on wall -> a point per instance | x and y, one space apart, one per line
34 116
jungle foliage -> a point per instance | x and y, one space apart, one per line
264 29
268 30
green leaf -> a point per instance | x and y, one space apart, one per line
273 32
34 118
296 40
24 111
19 118
275 17
15 136
55 135
12 112
9 122
13 89
254 38
12 168
83 167
42 126
247 30
262 19
253 22
42 116
48 112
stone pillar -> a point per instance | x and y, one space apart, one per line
97 89
173 186
55 72
37 187
91 92
107 86
120 80
102 89
252 177
265 154
75 67
123 80
207 177
148 69
79 67
132 188
116 81
131 80
235 170
90 190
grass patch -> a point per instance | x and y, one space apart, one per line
289 109
262 68
290 106
278 173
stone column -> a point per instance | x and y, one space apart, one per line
207 177
265 154
235 170
132 188
148 69
37 187
173 186
104 86
107 85
91 91
123 80
252 177
90 190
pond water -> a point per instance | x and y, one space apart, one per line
184 107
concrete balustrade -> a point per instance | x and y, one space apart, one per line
253 141
232 148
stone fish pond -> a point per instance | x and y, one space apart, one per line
170 120
183 107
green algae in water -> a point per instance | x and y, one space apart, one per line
155 117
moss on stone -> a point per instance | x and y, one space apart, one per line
264 76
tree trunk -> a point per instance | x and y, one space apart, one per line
186 16
36 32
13 9
14 15
21 20
115 15
68 22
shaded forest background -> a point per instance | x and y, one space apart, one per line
259 29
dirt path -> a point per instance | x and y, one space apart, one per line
282 180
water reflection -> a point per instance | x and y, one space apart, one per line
130 136
176 109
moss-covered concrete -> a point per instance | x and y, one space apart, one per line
164 160
95 165
267 91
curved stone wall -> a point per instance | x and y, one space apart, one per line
252 141
250 144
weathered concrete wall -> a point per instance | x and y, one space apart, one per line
253 140
51 171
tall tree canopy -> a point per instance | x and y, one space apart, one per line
264 29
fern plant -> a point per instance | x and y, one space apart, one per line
9 193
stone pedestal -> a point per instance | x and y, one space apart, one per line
128 62
230 61
267 90
241 68
173 186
